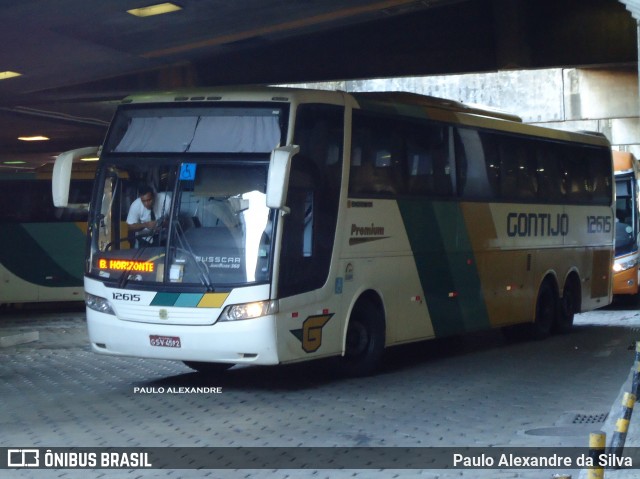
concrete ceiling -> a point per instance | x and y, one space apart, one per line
78 57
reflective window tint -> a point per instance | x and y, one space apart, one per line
507 167
478 164
30 201
399 156
313 196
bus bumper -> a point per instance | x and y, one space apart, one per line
251 341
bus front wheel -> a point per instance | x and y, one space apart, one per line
365 339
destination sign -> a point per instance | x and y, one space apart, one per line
126 265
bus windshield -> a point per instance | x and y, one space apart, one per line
207 225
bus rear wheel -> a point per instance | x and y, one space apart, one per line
546 311
568 307
207 368
365 339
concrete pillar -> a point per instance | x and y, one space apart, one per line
634 7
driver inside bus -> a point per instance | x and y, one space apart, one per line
147 214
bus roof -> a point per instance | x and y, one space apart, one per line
406 98
248 93
470 115
411 104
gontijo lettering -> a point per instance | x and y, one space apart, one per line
537 224
126 265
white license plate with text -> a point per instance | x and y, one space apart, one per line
165 341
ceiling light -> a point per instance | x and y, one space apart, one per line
93 158
157 9
16 162
8 74
33 138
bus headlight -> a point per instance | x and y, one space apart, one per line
98 304
624 265
256 309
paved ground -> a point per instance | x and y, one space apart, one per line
473 391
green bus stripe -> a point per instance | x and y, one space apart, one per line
446 265
189 300
64 243
24 256
165 299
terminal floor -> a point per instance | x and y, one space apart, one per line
478 390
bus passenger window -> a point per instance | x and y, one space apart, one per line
551 186
576 178
518 178
377 174
421 177
377 161
599 183
478 164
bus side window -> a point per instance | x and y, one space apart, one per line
518 179
421 171
360 169
551 185
377 160
575 174
599 178
385 179
375 174
478 164
443 177
427 160
588 179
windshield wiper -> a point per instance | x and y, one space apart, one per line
202 268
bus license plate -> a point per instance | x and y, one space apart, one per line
165 341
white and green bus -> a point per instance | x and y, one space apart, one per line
307 224
42 247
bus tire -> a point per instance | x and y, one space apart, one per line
568 306
207 368
546 311
364 344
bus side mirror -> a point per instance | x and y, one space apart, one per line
278 177
61 177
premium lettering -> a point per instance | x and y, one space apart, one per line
372 230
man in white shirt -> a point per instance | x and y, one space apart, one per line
147 213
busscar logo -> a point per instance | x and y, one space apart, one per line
23 458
